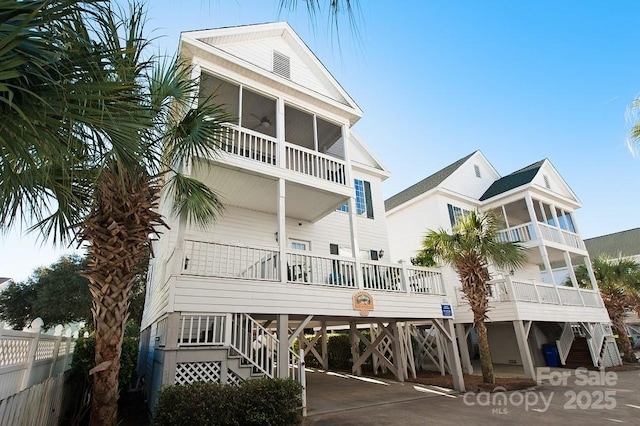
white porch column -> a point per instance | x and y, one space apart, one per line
572 273
282 230
447 332
280 136
283 345
522 335
592 275
462 334
398 352
353 226
547 263
323 342
532 216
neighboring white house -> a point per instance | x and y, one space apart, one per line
530 307
303 239
620 244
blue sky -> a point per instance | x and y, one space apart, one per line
519 80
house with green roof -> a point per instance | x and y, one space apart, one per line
623 243
531 307
620 244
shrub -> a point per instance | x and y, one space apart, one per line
339 348
84 359
256 402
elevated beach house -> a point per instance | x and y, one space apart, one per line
302 244
538 314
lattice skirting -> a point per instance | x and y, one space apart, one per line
190 372
233 378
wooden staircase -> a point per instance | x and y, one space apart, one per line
579 355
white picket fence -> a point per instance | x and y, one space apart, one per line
30 357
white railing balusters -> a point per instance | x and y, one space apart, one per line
313 163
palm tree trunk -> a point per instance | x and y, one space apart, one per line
615 306
623 337
117 231
485 353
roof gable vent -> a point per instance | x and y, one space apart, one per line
477 170
546 182
281 65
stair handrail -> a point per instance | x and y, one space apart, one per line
598 338
565 341
256 344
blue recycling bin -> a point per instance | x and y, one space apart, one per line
551 355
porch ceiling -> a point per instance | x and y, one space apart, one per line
260 193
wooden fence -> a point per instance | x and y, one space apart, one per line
38 405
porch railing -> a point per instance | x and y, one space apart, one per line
249 144
256 146
230 261
514 289
526 232
382 277
569 296
517 234
321 270
313 163
208 259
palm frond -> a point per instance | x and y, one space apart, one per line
193 200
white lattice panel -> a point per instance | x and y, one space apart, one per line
233 378
45 349
14 351
189 372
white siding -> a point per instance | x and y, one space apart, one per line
260 53
465 182
228 295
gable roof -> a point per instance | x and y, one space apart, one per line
514 180
245 44
626 243
424 185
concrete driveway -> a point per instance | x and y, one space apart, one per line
574 399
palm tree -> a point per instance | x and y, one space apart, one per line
91 130
470 247
103 175
619 284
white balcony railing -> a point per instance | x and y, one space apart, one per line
207 259
230 261
313 163
256 146
551 233
517 234
514 289
321 270
249 144
572 239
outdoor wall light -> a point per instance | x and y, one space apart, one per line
380 254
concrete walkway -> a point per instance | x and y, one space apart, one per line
329 392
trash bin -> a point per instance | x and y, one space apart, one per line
551 355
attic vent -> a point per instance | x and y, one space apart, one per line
281 65
477 169
546 182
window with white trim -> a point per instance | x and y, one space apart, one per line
456 213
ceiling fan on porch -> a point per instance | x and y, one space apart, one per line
262 123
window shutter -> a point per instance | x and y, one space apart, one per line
369 201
